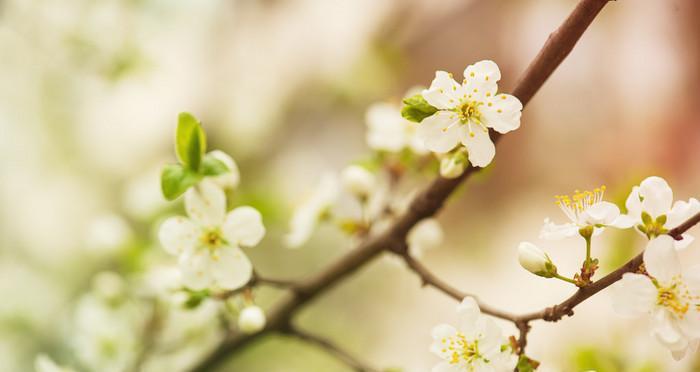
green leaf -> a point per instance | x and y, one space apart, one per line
195 298
416 108
190 141
526 364
176 179
212 166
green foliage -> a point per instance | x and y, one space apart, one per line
416 108
526 364
176 179
190 141
212 166
196 298
190 148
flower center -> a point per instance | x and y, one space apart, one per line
577 203
469 114
459 349
675 297
211 238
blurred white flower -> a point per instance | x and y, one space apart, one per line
476 345
426 234
108 233
669 295
534 260
43 363
358 180
108 285
387 130
467 111
230 179
653 198
209 242
585 210
106 334
143 197
307 215
251 320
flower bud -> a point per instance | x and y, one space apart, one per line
251 320
358 180
535 261
427 234
453 165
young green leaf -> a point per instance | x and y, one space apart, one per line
416 108
190 141
176 179
212 166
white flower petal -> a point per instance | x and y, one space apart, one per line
446 367
502 113
482 76
196 270
623 221
686 240
444 92
492 337
692 347
665 329
690 323
681 211
177 235
206 204
634 204
469 313
633 295
231 268
661 259
603 213
479 146
243 227
441 132
552 231
439 333
657 196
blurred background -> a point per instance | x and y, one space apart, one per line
89 97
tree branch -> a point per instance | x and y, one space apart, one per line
424 205
330 348
556 312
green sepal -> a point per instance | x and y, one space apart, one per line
416 108
190 141
176 179
195 298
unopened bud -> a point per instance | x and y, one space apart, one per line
535 260
358 180
453 165
251 320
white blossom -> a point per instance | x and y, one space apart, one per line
307 215
251 320
584 209
477 344
358 180
669 295
209 242
43 363
654 198
454 164
387 130
425 235
467 111
108 233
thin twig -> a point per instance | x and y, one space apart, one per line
331 348
425 204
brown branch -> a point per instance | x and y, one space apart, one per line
424 205
330 348
566 308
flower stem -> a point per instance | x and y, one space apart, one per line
568 280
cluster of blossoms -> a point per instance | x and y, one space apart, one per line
661 288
